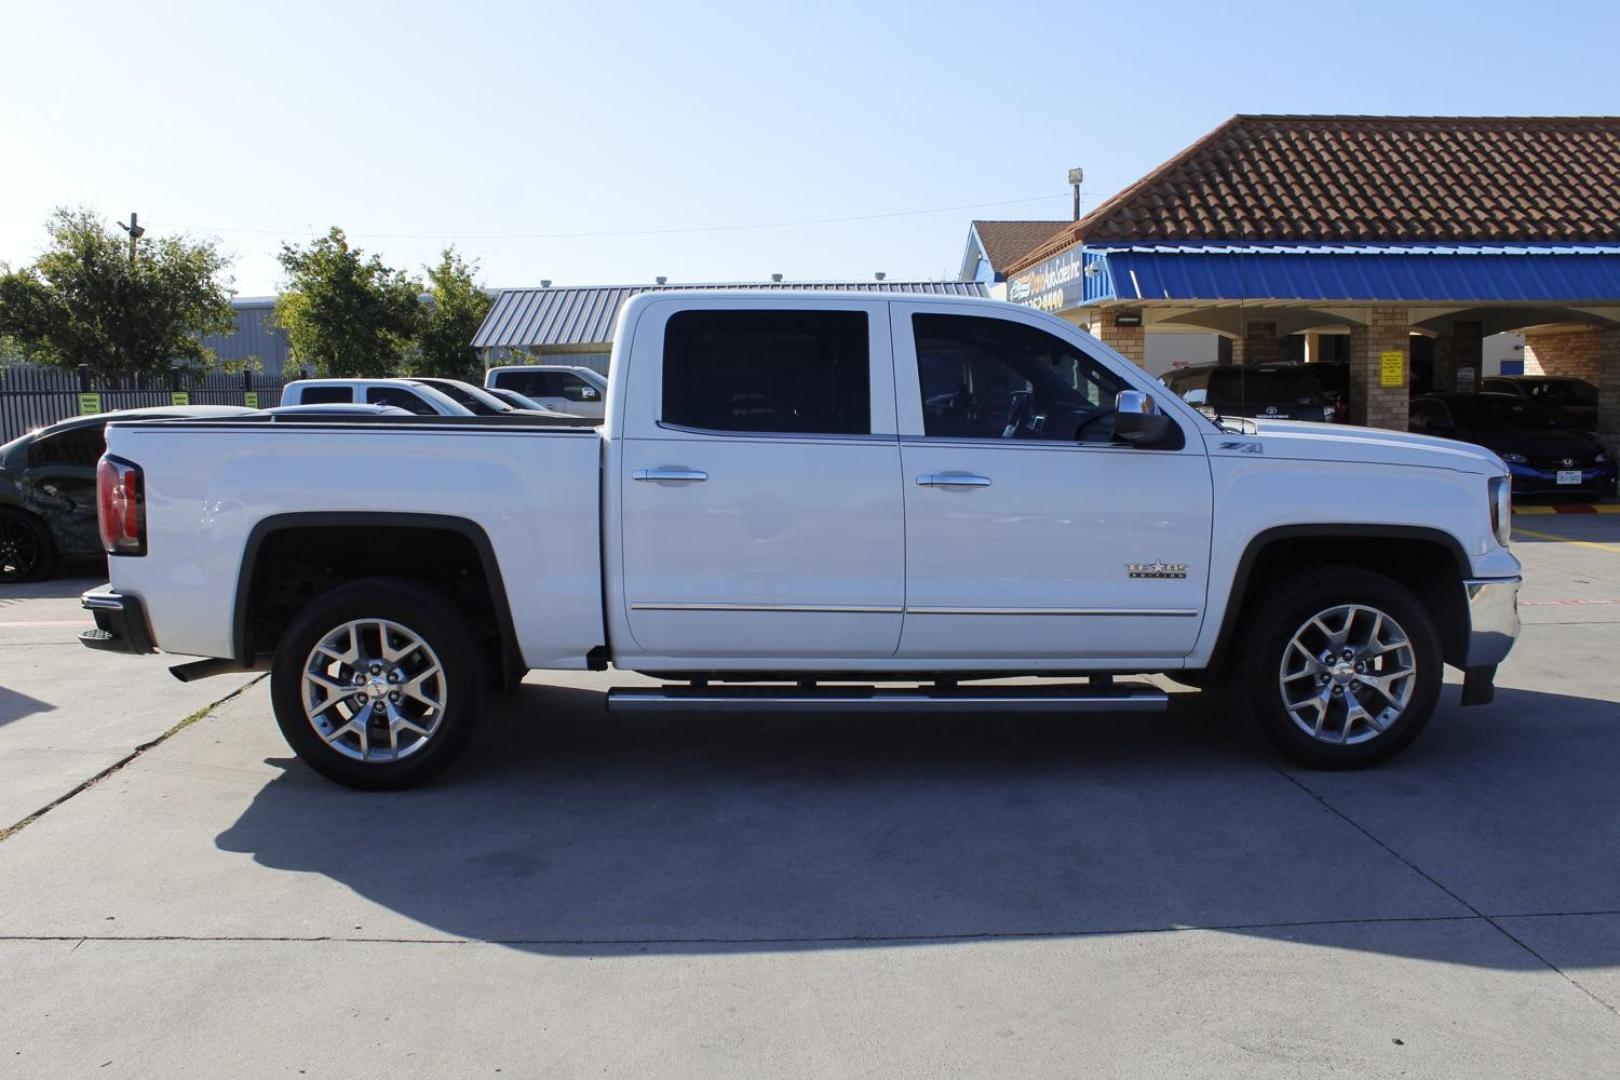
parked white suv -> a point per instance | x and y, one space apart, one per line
577 391
408 394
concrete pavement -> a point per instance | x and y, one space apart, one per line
66 713
797 896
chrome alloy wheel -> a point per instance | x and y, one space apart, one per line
1347 674
373 690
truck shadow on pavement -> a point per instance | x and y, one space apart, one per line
566 829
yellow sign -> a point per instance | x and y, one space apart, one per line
250 398
180 397
1392 368
89 404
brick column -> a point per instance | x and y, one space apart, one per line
1467 351
1608 384
1260 343
1130 341
1445 372
1371 403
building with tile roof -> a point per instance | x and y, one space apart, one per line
994 246
1361 237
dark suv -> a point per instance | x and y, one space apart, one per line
1285 391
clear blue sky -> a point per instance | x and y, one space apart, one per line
500 126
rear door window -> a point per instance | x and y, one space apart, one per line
794 372
326 395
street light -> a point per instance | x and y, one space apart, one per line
1076 178
135 232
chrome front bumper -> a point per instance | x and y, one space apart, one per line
1493 626
1493 620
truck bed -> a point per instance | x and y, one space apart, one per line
531 483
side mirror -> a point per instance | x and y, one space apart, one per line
1137 419
1199 396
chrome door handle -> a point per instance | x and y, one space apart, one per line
953 479
685 476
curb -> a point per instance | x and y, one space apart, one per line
1571 508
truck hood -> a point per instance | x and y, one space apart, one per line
1294 439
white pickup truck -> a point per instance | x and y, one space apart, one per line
828 502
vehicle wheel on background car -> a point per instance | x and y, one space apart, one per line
376 684
1343 667
26 551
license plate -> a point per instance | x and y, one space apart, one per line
1569 476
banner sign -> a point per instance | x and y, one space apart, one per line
1053 285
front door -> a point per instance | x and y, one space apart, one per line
1030 533
760 483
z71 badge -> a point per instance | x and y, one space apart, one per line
1157 569
1245 447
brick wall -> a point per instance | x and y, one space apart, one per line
1387 330
1462 345
1574 352
1131 341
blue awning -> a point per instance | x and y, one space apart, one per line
1476 273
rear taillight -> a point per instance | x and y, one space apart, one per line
121 506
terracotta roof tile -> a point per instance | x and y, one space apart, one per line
1375 179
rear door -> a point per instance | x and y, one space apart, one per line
760 481
1030 534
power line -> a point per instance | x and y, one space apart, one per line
444 235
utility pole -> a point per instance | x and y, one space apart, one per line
136 232
1076 178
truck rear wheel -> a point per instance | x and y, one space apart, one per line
376 684
1344 668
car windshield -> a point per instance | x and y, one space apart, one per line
1279 386
1491 413
479 401
1563 392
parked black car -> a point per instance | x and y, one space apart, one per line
48 489
1283 391
1575 396
1544 449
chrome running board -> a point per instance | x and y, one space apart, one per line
1063 698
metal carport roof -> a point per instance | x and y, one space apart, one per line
584 315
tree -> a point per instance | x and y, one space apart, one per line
85 301
457 311
346 314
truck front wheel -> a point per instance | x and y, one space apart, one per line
376 685
1344 668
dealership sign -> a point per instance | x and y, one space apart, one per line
1053 285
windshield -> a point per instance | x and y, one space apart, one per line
1563 392
1490 413
1277 386
479 401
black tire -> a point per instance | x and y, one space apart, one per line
1285 609
438 625
26 550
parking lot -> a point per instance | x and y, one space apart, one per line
790 895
